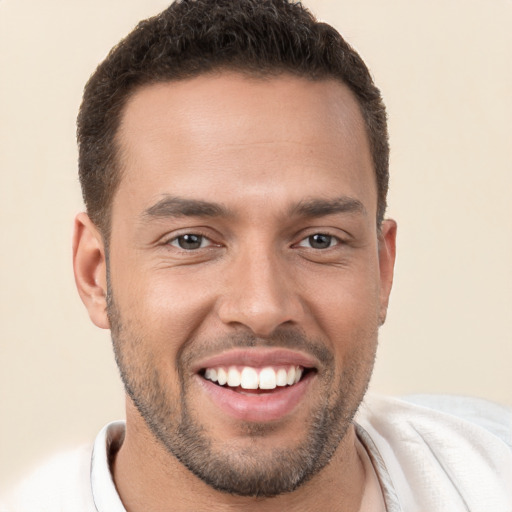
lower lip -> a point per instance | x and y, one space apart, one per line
259 408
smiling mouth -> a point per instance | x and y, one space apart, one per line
259 386
253 380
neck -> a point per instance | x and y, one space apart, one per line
150 479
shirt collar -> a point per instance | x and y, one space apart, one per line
106 445
110 439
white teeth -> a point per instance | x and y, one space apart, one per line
233 377
222 376
290 377
281 377
211 374
249 378
267 378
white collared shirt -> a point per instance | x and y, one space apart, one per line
425 460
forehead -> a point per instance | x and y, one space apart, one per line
215 136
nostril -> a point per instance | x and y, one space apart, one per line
262 305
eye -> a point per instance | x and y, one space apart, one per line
190 242
319 241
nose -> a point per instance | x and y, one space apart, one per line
260 293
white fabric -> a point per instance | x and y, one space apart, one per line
425 459
61 485
103 488
437 461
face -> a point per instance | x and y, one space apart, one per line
247 277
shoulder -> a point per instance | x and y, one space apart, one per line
61 483
490 416
440 412
443 451
77 481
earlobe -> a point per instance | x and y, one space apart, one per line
90 268
387 254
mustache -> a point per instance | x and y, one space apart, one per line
289 338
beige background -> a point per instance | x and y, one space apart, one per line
444 67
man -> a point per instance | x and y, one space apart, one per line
234 165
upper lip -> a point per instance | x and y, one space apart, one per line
257 358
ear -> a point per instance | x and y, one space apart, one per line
387 253
90 268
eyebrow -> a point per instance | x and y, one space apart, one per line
321 207
180 207
170 206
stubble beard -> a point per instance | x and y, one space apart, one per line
252 470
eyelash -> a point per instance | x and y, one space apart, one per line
175 241
333 241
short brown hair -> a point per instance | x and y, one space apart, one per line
193 37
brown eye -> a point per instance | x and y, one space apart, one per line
189 242
319 241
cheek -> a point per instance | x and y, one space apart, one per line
346 304
165 309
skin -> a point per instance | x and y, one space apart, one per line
259 149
